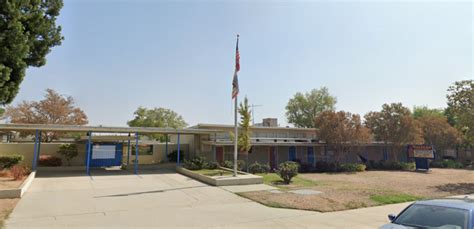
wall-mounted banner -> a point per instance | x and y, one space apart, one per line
420 151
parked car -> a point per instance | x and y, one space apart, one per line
452 213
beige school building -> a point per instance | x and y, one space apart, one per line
271 144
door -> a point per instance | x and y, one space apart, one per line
311 155
272 157
292 153
220 154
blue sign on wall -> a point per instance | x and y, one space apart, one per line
106 154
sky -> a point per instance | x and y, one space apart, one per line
119 55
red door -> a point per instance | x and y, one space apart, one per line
220 154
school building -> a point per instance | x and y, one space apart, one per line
116 146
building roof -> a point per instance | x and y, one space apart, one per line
103 129
208 125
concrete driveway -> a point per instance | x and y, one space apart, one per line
163 198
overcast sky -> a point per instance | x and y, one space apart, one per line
118 55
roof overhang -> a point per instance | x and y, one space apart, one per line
104 129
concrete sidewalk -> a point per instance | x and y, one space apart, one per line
163 199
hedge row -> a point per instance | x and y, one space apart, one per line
6 162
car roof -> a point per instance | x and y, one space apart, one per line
460 203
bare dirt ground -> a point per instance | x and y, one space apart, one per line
9 183
348 191
6 207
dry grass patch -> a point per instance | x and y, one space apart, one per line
6 207
365 189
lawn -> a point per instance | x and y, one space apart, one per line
363 189
298 181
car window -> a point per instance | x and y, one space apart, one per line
419 215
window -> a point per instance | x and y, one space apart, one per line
143 150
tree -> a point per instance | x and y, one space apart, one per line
157 117
394 125
438 132
424 111
28 31
303 108
244 141
460 109
53 109
342 130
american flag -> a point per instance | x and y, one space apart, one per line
235 81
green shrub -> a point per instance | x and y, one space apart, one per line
287 170
351 167
259 168
7 162
50 161
230 164
447 163
69 151
212 165
196 163
408 166
173 156
390 165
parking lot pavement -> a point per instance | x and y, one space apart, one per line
163 198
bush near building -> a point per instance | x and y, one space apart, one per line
230 164
69 151
390 165
259 168
50 161
447 163
197 163
7 162
287 170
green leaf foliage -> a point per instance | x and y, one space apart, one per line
7 162
287 170
69 151
28 31
302 109
157 117
460 109
244 141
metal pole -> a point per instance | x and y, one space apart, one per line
166 148
89 147
128 151
177 161
35 151
136 153
236 136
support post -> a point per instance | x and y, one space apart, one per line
214 147
35 151
136 153
179 149
128 151
89 147
166 147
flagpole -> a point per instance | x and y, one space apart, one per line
235 136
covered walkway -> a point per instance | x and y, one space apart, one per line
106 157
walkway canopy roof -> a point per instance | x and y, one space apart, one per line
103 129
